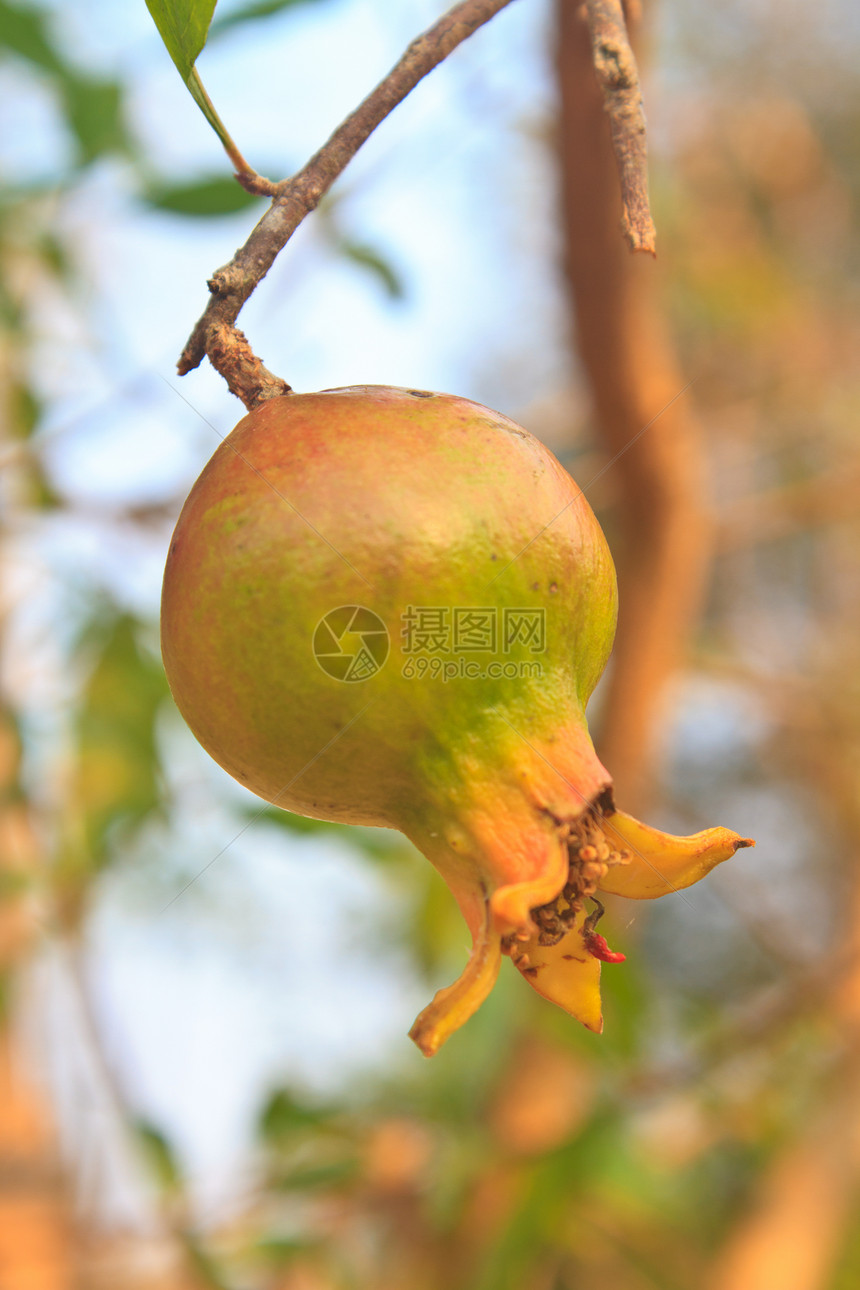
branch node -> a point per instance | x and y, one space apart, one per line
256 184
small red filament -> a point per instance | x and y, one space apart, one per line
596 946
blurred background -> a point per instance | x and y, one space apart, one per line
205 1079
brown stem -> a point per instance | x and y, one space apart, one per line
297 197
662 543
618 76
246 377
245 173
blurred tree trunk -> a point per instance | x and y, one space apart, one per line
36 1234
798 1217
792 1233
663 531
791 1236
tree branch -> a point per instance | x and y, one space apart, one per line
615 65
297 197
661 537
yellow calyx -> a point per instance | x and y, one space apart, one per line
661 863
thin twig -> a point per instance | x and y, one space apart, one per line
297 197
618 75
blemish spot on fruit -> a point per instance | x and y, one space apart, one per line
511 427
421 394
535 586
553 586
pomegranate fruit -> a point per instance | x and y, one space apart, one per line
390 607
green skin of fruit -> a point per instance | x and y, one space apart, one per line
392 499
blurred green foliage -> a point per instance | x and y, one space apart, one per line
92 109
253 11
115 752
220 195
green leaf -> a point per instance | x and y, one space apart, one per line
182 25
283 1116
40 491
94 113
23 31
435 936
294 823
13 884
378 844
252 11
220 195
55 256
208 1272
161 1156
117 772
25 410
93 107
315 1177
542 1211
369 258
282 1250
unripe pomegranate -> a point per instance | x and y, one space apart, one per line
390 607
